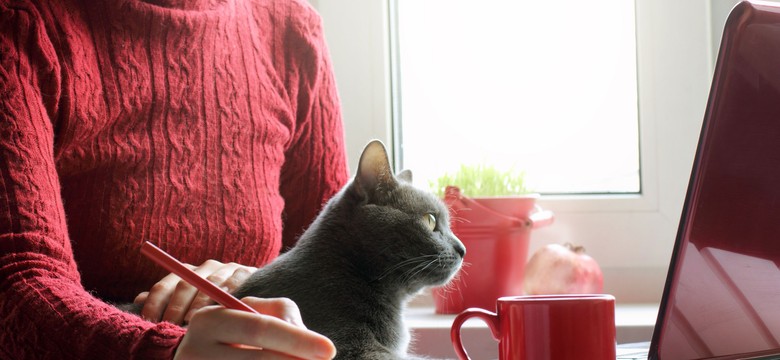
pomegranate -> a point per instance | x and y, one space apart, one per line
562 269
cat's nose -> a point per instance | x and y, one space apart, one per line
459 248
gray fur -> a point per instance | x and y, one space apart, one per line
363 257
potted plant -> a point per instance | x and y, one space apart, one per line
492 212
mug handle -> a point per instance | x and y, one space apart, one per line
491 319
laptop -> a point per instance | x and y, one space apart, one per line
722 294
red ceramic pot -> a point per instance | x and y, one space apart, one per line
496 233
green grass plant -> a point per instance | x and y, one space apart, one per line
482 180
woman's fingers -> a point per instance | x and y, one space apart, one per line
217 325
237 277
159 296
184 293
280 308
174 300
141 298
170 298
225 352
182 298
228 277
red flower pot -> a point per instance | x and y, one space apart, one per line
496 232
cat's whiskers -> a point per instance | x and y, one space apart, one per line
450 286
463 268
418 259
443 260
459 219
419 268
453 215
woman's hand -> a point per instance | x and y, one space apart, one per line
219 333
174 300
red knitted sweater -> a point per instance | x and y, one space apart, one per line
202 125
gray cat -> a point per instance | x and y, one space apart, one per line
376 243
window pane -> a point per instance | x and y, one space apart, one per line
545 87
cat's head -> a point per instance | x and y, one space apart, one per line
403 232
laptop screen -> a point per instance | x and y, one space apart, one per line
723 293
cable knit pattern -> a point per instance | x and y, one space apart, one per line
197 124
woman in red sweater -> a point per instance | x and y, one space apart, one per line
210 127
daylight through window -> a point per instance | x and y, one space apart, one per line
547 88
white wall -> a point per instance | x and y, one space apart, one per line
356 31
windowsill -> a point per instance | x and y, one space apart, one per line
431 331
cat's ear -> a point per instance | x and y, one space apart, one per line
405 175
374 170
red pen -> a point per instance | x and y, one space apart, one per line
170 263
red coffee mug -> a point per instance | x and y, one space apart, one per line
554 327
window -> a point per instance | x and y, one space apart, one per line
630 234
547 88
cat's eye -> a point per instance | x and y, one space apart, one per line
430 221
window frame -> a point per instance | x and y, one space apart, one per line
631 236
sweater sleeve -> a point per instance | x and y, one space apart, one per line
316 165
45 312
